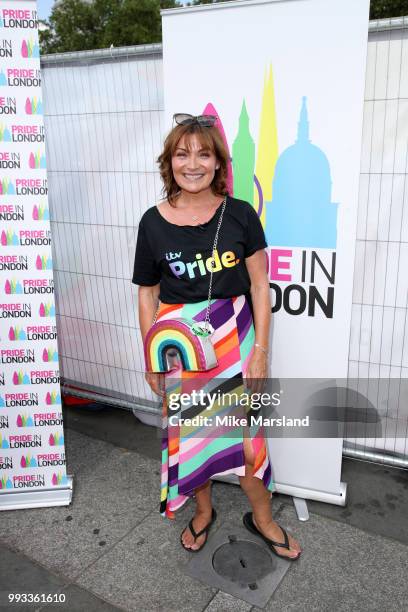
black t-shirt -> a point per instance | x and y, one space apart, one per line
178 256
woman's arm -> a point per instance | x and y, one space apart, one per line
261 301
148 302
260 294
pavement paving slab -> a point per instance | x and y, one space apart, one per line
341 568
145 571
22 575
114 489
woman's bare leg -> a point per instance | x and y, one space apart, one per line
202 516
260 499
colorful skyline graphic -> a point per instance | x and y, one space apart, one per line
17 333
290 191
50 355
5 483
7 187
33 106
13 286
56 439
43 263
24 420
30 48
28 462
47 309
41 213
5 134
37 160
52 398
21 378
59 479
9 238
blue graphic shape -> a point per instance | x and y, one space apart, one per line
6 135
9 484
10 189
1 23
61 441
5 444
49 264
33 463
22 335
2 402
43 163
301 212
36 51
30 422
19 288
3 80
26 379
58 399
55 356
15 241
46 217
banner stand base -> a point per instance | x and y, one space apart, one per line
338 499
18 500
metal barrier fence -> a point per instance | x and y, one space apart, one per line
379 333
104 126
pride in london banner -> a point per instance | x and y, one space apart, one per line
32 453
288 93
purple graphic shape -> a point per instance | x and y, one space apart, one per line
260 195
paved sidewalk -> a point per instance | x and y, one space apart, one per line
111 549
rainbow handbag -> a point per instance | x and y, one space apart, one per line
191 339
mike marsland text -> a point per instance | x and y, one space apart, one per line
234 421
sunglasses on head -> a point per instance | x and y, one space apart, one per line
202 120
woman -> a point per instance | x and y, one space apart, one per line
174 244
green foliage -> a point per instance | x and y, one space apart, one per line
77 25
388 8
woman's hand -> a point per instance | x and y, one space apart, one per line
257 371
156 382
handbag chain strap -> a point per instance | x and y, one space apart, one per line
207 314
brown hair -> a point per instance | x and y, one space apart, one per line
211 139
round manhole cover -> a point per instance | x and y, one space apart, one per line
242 561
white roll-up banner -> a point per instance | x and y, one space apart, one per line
32 453
287 85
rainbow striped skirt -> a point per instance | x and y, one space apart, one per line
200 437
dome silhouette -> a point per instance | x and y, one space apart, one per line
301 212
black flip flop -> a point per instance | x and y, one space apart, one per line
197 535
250 525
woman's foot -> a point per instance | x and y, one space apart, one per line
200 520
272 531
